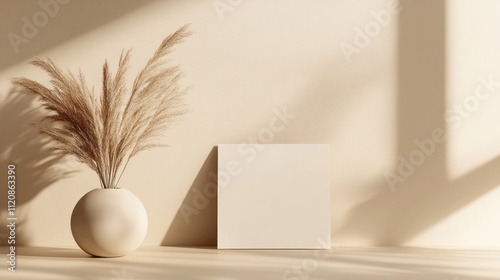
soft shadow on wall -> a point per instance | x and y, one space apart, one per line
427 196
195 223
31 27
37 167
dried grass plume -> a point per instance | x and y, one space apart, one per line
104 131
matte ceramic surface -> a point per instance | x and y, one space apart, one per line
109 222
273 196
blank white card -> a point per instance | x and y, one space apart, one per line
273 196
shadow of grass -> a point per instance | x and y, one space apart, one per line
37 167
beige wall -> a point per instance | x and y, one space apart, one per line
257 58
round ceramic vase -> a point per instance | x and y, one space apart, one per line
109 222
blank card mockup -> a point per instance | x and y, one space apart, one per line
274 196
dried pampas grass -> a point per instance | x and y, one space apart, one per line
105 131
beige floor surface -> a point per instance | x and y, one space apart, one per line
211 264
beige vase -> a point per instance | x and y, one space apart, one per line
109 222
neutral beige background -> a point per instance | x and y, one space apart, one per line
263 56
